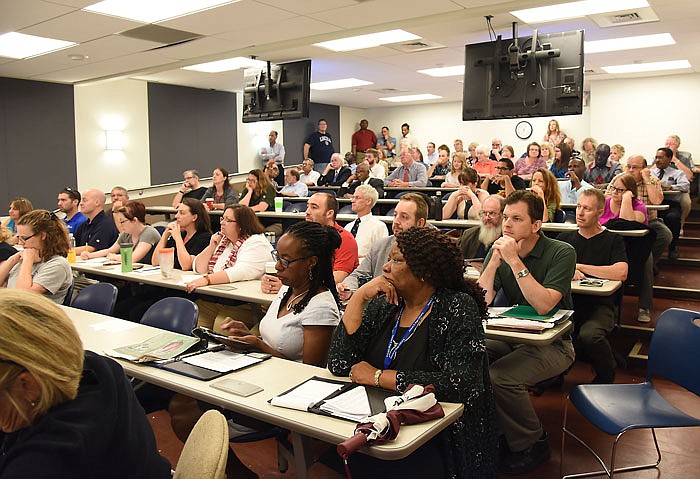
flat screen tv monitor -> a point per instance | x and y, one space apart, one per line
278 92
505 79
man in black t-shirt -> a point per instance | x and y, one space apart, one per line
599 254
503 182
319 145
190 188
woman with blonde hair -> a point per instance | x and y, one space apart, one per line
554 135
466 201
41 266
259 194
457 166
547 151
6 249
64 409
545 185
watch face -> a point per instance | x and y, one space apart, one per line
524 130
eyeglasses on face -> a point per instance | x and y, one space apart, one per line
24 239
228 220
286 262
489 214
618 190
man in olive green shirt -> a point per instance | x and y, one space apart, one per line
532 270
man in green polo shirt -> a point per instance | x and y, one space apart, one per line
532 270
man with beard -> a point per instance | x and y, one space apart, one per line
476 242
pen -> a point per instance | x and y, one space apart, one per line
218 347
144 270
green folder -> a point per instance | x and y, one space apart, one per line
528 312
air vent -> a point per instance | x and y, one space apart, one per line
416 46
626 17
158 34
385 91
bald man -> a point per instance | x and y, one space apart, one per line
98 232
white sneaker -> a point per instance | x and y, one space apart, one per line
644 316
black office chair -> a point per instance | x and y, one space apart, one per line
69 295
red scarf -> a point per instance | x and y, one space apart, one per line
220 249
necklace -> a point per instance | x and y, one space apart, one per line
289 303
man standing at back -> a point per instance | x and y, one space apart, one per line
362 140
273 152
536 271
98 232
319 145
68 201
411 210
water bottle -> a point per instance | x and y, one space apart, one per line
71 248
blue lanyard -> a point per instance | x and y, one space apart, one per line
392 348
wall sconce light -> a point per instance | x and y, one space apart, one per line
114 140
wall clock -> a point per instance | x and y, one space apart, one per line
523 129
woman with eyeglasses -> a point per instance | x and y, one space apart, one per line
465 203
132 221
623 203
530 161
41 266
237 253
65 412
420 322
18 208
259 194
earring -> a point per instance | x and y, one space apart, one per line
32 403
311 274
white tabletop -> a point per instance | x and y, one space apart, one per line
248 291
275 376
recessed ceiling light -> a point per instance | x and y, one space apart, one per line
628 43
444 71
153 10
367 41
338 84
575 10
226 65
648 67
20 45
422 96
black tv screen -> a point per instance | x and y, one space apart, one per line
277 92
505 79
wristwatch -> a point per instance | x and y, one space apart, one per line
522 273
206 277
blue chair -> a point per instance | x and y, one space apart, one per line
98 298
674 354
346 210
178 315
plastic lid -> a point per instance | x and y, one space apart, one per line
166 250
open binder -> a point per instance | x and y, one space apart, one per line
330 397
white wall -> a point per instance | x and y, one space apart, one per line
252 137
640 113
349 124
115 105
442 123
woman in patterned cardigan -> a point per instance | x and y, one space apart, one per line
421 323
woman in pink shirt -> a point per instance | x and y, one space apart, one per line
624 202
526 165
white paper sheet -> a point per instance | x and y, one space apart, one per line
222 361
308 393
353 405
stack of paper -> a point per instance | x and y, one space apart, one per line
306 394
352 405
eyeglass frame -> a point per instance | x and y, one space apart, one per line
286 262
226 220
24 239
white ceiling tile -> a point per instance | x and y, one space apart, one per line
80 26
19 14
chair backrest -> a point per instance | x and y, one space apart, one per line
206 450
98 298
178 315
559 216
674 352
69 295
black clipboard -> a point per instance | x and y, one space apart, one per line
375 396
197 372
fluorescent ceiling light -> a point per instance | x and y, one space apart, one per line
422 96
576 9
648 67
368 41
628 43
337 84
20 45
444 71
226 65
151 11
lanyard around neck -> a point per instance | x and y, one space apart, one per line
393 347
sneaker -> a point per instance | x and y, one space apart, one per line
644 316
525 461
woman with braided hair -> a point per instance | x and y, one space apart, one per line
420 322
300 321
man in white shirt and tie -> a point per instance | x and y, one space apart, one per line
366 229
